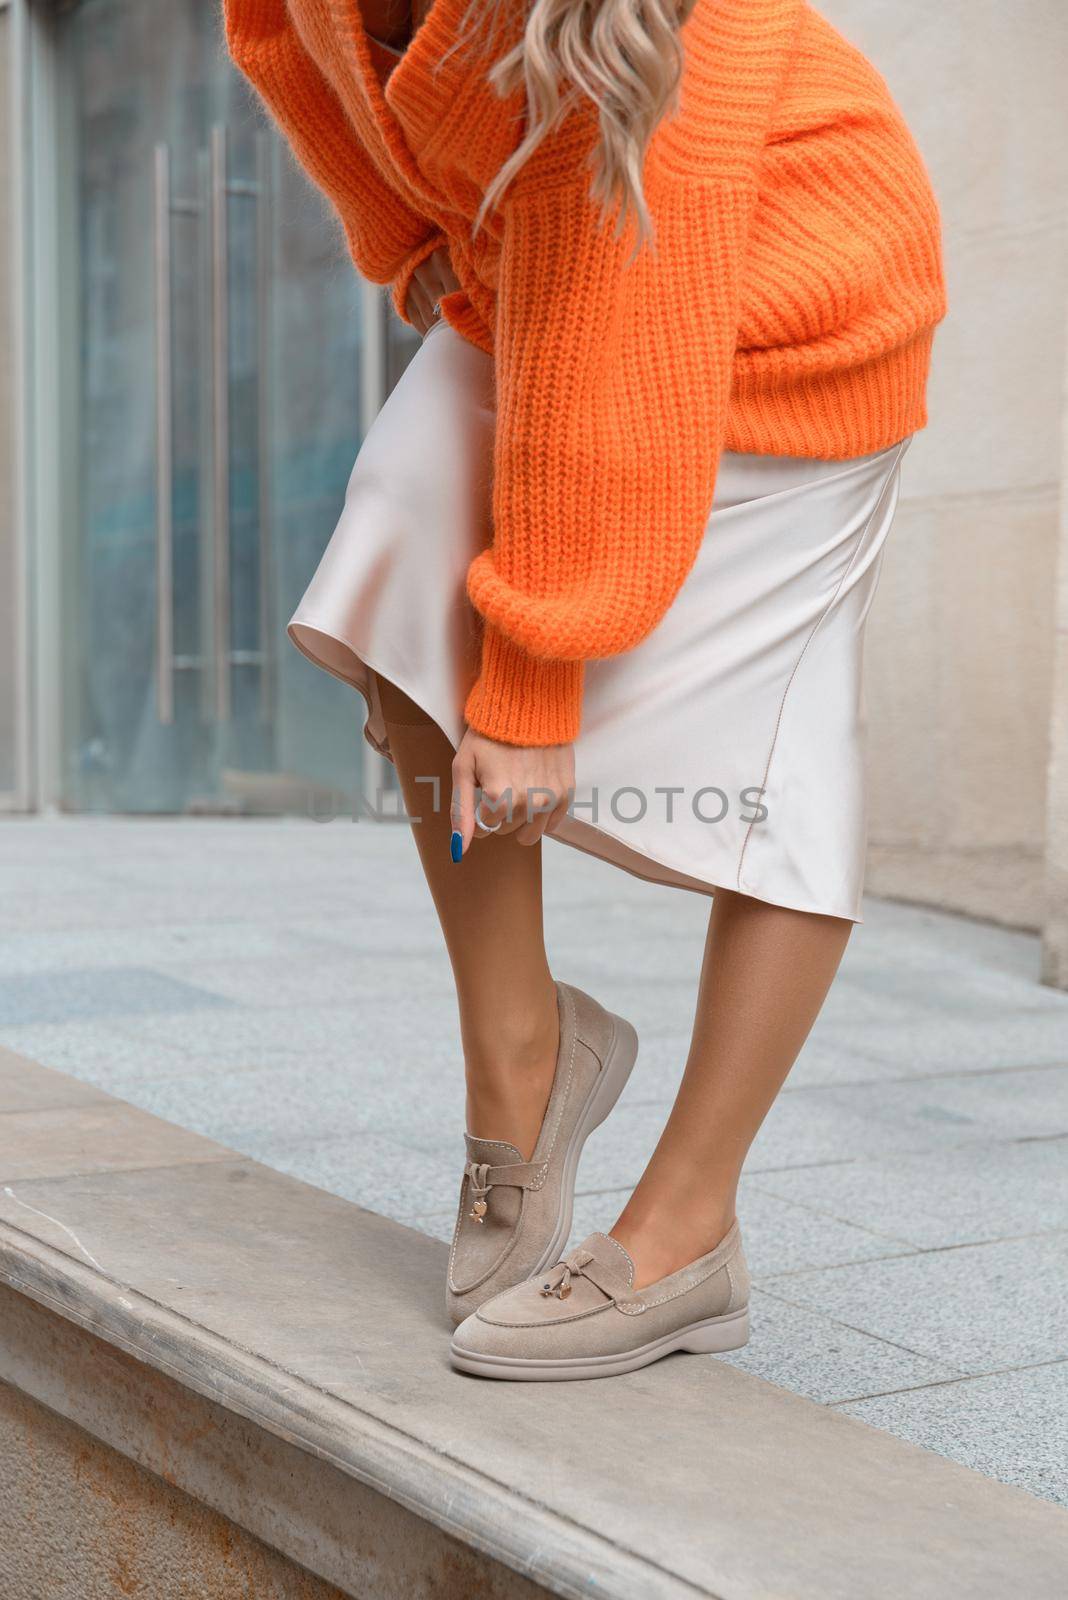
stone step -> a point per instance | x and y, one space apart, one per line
278 1357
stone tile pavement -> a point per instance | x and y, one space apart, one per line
280 986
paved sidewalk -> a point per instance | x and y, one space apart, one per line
279 986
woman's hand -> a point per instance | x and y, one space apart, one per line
526 791
431 279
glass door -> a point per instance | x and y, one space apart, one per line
217 379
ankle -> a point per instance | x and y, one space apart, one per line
510 1078
663 1234
509 1111
520 1041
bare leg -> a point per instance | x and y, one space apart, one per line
490 909
766 974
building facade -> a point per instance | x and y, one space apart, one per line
197 362
187 363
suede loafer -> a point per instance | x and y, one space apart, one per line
584 1318
515 1215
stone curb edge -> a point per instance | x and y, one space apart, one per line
476 1510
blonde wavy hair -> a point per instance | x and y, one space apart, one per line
622 56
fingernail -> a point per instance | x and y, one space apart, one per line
456 846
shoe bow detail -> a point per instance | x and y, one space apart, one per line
583 1263
559 1280
515 1175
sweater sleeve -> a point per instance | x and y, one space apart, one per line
386 238
613 378
612 390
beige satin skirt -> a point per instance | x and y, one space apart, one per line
727 749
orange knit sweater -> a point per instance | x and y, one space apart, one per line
787 308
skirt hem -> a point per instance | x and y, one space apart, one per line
588 837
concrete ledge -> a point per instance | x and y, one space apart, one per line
280 1355
317 1516
102 1526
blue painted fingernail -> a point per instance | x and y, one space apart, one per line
456 846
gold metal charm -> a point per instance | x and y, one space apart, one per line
478 1210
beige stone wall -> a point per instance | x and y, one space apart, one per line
960 664
1055 942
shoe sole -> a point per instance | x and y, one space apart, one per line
714 1336
609 1085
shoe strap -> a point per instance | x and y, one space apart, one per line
515 1175
583 1263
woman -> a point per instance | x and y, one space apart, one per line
616 532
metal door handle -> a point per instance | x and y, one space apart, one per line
212 207
164 441
220 395
264 278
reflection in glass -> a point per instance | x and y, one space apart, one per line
255 370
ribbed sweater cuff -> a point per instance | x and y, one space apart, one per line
522 699
402 282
